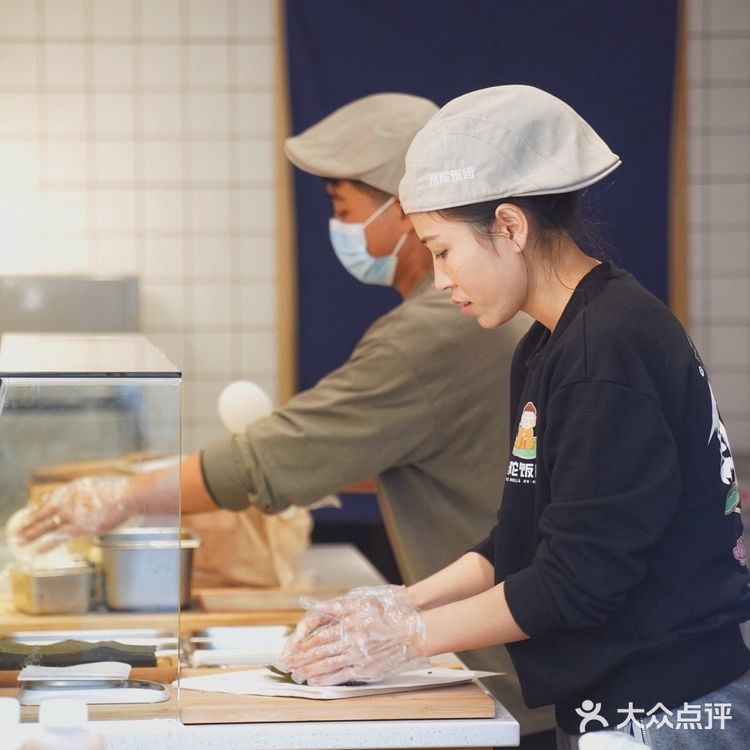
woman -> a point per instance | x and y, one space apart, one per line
616 572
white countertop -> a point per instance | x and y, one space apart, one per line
170 734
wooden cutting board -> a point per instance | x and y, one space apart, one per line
195 707
467 701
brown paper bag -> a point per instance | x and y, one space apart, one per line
249 547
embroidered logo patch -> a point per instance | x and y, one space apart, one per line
525 442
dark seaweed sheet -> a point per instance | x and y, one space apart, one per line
286 677
14 655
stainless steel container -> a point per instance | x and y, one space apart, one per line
55 591
147 568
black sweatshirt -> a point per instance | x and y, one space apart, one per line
619 534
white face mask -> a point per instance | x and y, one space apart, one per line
350 245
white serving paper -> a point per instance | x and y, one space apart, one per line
257 644
99 670
264 682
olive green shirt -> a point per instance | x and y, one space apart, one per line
421 405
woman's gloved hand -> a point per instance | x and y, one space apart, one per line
322 611
360 636
90 505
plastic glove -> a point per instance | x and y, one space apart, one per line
386 591
35 554
366 637
322 611
90 505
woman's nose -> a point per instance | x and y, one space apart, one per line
442 280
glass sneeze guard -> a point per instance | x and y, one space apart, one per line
91 409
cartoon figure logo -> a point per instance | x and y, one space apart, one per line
525 443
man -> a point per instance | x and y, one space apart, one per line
415 406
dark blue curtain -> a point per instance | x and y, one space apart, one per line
612 61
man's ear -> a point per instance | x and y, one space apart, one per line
512 222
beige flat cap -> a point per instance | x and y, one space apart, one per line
500 142
365 140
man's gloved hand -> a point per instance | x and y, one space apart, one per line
360 636
90 505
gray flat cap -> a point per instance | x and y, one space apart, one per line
365 140
500 142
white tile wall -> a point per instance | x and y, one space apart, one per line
136 136
719 168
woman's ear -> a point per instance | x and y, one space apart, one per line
511 222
